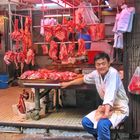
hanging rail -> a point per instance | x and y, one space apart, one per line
38 26
67 42
63 8
18 15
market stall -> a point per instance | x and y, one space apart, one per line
64 38
59 39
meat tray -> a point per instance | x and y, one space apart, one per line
43 81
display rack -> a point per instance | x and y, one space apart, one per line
70 11
9 4
50 11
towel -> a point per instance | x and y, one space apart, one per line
118 40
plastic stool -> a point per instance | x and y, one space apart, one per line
117 129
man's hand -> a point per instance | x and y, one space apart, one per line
64 84
77 81
108 111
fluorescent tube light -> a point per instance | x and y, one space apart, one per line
107 3
50 5
57 15
56 4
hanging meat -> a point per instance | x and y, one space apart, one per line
18 58
53 50
21 60
81 47
26 35
8 57
71 49
71 26
101 31
63 55
45 49
16 34
97 31
60 33
48 33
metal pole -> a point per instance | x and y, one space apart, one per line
43 18
10 26
31 26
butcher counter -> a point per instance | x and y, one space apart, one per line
47 86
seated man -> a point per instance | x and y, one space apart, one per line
111 91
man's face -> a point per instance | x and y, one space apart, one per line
102 66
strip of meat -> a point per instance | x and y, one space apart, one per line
81 47
53 50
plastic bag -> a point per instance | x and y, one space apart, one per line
134 85
85 14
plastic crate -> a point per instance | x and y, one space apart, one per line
4 78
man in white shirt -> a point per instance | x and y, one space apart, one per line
111 90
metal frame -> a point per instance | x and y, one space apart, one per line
10 2
48 87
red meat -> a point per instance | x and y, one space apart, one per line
63 55
45 49
53 50
81 47
71 49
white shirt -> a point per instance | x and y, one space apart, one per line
112 92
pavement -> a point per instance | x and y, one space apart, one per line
12 136
11 125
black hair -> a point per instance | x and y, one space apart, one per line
101 55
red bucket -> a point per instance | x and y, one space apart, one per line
91 55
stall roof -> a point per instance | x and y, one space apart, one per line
68 2
74 3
